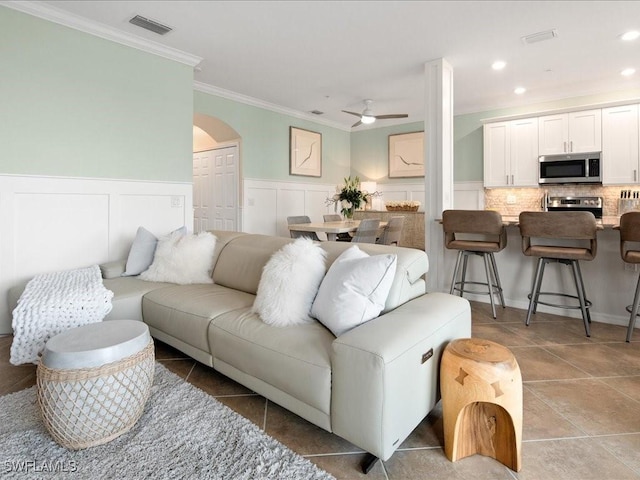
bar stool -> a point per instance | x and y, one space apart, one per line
475 232
630 253
568 238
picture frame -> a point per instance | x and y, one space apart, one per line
406 155
305 152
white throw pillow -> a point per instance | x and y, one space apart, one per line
354 290
289 283
182 259
142 251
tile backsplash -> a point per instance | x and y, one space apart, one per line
512 201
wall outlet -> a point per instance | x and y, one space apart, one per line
176 201
511 199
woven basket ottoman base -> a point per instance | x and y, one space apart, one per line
85 407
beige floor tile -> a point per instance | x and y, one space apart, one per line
572 459
625 448
251 407
16 378
432 464
498 333
538 364
301 436
348 467
182 368
627 385
554 332
601 360
429 433
540 422
214 383
590 405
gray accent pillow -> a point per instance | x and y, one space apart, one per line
141 253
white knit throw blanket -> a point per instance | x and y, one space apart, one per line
54 302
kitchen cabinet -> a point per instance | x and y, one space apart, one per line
574 132
620 145
511 153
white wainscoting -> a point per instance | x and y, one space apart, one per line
267 204
53 223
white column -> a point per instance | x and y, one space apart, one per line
438 179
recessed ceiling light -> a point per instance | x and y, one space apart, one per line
627 72
630 35
498 65
519 90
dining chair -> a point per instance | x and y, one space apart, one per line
334 217
294 220
392 231
367 231
630 253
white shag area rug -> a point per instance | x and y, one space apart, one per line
184 433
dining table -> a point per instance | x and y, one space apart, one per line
331 229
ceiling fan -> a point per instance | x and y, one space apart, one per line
368 117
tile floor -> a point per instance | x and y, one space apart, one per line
581 406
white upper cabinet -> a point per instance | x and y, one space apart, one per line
620 145
511 153
573 132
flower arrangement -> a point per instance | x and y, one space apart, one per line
350 196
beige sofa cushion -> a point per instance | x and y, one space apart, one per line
293 359
185 311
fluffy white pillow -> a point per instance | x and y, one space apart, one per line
354 290
142 251
182 259
289 283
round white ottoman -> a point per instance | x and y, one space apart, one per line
93 381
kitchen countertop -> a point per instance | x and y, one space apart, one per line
607 222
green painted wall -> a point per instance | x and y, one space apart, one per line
265 140
72 104
370 152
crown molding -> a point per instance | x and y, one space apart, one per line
255 102
55 15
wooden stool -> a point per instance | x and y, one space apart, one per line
481 401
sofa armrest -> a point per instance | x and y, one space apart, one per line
113 269
385 372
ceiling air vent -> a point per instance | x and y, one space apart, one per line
150 25
540 36
317 112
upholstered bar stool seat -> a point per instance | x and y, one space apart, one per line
630 253
475 232
560 237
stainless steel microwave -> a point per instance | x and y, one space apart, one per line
570 168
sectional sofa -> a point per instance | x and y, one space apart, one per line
371 385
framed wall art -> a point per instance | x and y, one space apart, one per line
305 152
406 155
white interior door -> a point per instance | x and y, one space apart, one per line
201 188
215 180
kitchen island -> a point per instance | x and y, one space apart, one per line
609 282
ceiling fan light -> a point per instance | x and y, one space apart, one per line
367 119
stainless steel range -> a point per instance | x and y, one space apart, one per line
573 204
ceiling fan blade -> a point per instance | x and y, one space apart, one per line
357 124
352 113
391 115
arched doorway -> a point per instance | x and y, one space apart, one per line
216 175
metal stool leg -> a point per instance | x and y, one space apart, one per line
489 284
497 278
634 311
584 292
580 289
535 289
539 286
455 272
464 270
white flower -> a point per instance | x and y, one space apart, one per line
346 204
